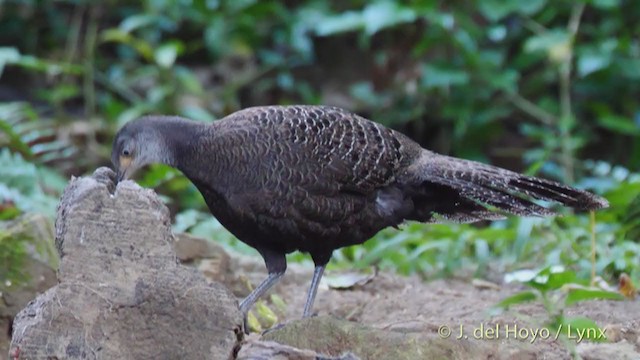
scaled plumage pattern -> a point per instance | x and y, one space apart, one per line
317 178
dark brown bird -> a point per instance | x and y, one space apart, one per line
317 178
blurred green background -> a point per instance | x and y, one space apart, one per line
545 87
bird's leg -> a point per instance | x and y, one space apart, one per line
276 266
265 285
313 290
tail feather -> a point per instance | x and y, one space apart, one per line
495 196
490 186
552 191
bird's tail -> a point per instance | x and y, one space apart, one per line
473 189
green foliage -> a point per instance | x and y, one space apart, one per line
462 76
557 288
202 224
22 188
540 83
26 184
24 243
12 255
32 136
372 18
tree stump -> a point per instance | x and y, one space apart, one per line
121 292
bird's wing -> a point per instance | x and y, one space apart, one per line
331 146
322 164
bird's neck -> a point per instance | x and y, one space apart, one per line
202 154
179 137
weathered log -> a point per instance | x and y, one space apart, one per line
121 292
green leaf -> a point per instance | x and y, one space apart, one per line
529 7
239 5
137 21
21 184
497 33
551 278
384 14
619 124
189 80
8 55
187 219
519 298
605 4
197 113
439 76
592 62
546 41
167 53
215 35
495 10
131 113
60 93
157 175
631 220
52 68
629 68
506 80
278 302
582 329
15 141
386 247
142 47
375 17
253 323
482 250
582 294
345 22
115 35
265 314
559 279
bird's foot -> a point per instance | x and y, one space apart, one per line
311 315
275 327
245 324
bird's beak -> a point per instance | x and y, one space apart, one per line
120 176
122 170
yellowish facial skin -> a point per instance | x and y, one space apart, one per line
125 163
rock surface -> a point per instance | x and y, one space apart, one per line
271 350
121 292
333 337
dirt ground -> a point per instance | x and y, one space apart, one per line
408 304
405 308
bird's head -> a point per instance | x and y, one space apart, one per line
140 142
